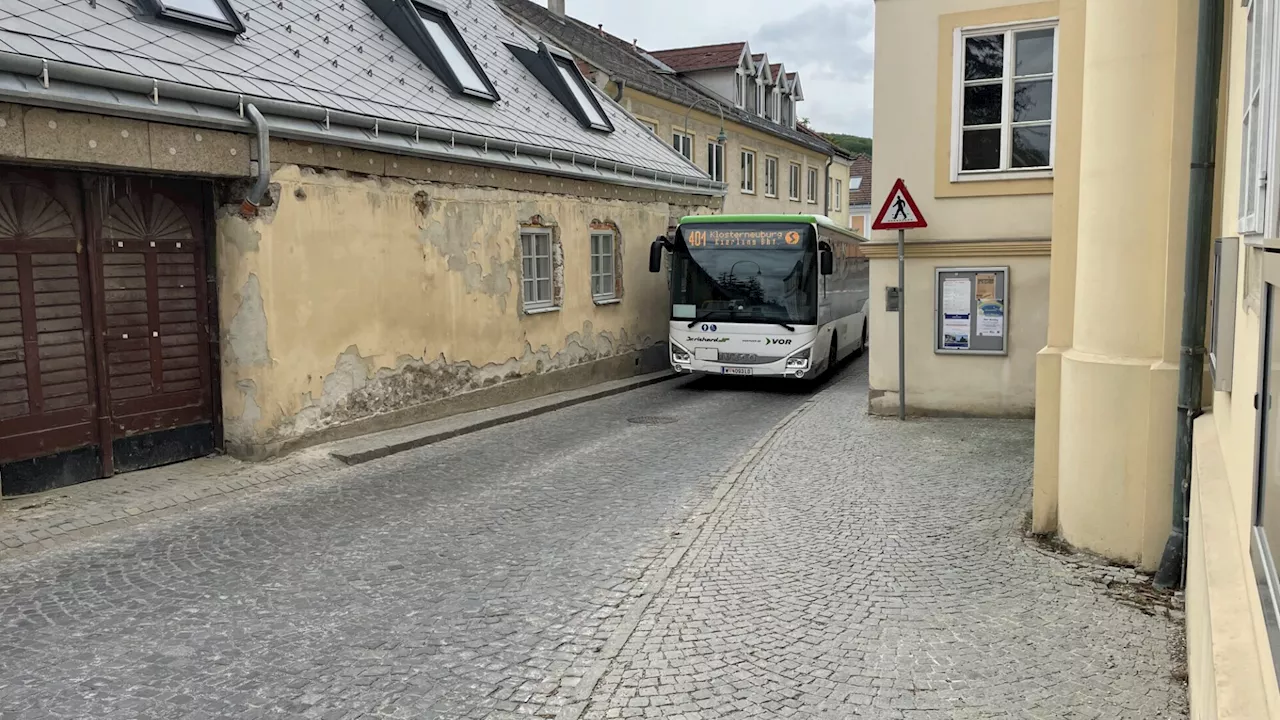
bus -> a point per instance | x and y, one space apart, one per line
764 295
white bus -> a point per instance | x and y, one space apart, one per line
771 295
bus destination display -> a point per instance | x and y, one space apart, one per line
717 238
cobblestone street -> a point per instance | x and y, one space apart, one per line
687 550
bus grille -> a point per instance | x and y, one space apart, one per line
748 358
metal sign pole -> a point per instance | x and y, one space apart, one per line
902 326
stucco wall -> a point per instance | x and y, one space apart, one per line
361 296
1231 667
913 91
705 126
947 384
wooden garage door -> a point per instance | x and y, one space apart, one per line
154 340
47 404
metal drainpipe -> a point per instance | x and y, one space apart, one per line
254 199
826 203
1195 281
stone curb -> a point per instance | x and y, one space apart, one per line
654 586
431 436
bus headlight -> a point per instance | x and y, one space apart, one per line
799 361
679 355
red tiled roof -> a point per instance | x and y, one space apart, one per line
702 57
861 167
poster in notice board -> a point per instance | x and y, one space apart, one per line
971 310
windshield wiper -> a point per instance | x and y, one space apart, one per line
789 327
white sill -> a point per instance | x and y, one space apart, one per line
748 192
770 196
987 176
606 301
541 309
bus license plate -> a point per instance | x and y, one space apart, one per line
735 371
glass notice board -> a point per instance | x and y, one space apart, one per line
971 310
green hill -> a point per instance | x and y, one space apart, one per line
851 143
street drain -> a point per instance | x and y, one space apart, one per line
652 420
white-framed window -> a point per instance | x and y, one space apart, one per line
812 195
604 281
788 111
1264 533
751 89
835 195
715 160
1260 144
793 184
1005 101
748 171
761 104
683 143
739 88
855 183
535 264
770 176
649 125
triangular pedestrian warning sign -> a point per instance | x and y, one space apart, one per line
899 211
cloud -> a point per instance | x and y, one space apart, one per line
829 42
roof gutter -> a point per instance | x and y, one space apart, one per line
581 165
254 199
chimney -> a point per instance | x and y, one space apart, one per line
556 6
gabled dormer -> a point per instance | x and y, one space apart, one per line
760 104
742 78
777 90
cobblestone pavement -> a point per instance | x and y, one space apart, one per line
581 566
476 578
861 568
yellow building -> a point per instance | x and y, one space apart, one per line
1055 140
727 110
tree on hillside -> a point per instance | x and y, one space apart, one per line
854 144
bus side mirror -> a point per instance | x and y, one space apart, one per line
655 255
826 262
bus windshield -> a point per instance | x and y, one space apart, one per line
750 272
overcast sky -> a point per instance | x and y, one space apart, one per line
829 42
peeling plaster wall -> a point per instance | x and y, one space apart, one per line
367 302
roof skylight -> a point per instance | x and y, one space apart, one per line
215 14
454 52
578 86
429 32
558 73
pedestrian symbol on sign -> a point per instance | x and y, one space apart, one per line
899 211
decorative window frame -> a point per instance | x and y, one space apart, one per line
811 193
537 226
795 182
600 228
1005 171
748 181
770 179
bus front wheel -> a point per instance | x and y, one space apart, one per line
832 354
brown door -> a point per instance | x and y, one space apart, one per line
150 255
47 405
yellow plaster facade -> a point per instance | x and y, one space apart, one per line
1107 298
704 125
360 302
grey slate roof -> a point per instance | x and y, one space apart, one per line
338 55
644 72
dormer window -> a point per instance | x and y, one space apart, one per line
558 73
578 87
739 88
430 33
212 14
453 54
761 106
